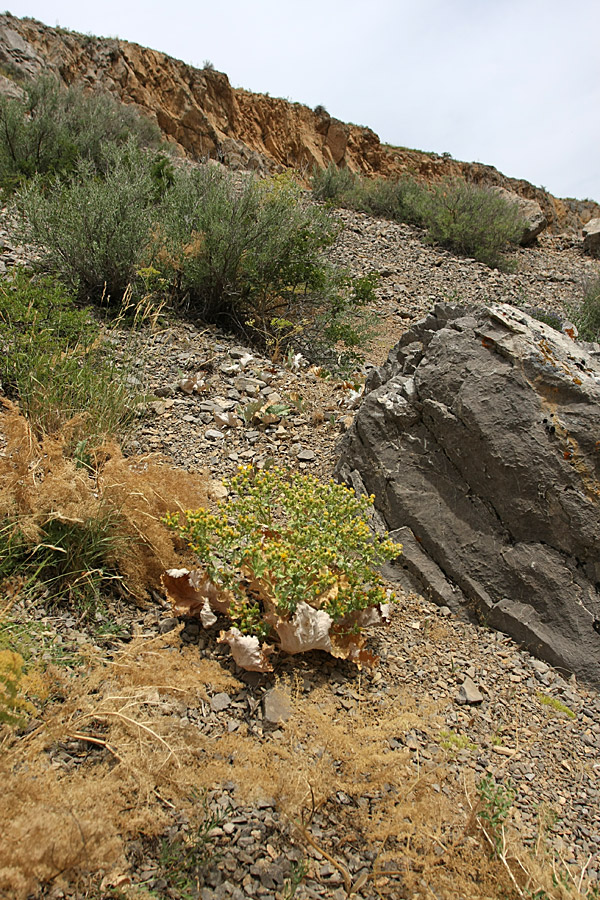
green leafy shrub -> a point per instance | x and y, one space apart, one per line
52 127
495 803
587 315
284 537
92 229
401 199
472 220
57 363
332 183
248 255
464 217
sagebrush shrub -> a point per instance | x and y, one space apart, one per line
249 255
472 220
466 218
91 229
401 200
52 127
332 183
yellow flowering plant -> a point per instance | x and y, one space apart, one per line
283 538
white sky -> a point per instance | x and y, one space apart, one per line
511 83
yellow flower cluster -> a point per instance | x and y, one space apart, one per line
287 536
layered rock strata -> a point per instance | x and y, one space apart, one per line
480 438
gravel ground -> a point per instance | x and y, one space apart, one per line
515 716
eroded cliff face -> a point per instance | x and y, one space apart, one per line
198 110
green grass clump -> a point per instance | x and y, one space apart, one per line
555 704
69 559
58 365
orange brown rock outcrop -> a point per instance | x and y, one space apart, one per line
198 110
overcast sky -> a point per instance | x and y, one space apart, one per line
511 83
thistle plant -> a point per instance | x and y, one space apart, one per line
285 537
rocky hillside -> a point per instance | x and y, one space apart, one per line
198 110
317 777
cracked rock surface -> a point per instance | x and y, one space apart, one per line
479 438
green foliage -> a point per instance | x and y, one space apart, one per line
450 740
292 538
587 316
555 704
333 183
58 365
472 220
248 255
53 127
93 228
495 803
464 217
186 860
401 200
298 872
70 558
162 173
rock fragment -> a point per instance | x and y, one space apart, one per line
277 706
469 693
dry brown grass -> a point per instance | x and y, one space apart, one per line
63 825
39 482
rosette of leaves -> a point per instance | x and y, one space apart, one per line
291 561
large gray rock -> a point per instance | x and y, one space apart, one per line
591 237
534 220
480 439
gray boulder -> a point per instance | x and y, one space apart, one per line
480 438
591 237
534 220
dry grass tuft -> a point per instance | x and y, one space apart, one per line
39 483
